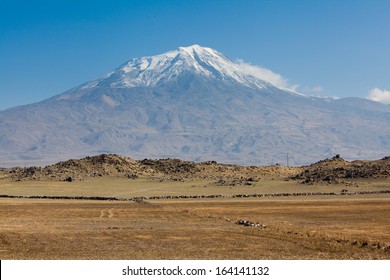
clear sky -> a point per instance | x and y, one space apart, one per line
338 48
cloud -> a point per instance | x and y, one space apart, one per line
266 75
317 90
378 95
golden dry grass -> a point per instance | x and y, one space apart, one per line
298 227
125 188
308 228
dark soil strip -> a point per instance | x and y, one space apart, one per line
141 199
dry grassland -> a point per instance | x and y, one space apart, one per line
352 223
124 188
312 228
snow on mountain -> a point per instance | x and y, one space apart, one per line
192 103
160 69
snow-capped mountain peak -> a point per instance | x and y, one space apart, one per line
191 103
160 69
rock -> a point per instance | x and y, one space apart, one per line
69 179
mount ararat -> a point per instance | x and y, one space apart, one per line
194 104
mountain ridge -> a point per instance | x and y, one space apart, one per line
160 69
192 115
333 170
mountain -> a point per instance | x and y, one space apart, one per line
194 104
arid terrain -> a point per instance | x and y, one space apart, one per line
112 207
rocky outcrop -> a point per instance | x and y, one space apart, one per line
337 170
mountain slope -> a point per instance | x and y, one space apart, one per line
193 104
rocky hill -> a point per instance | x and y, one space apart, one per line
333 170
337 170
163 169
96 166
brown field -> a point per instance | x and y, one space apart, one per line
124 188
352 221
312 227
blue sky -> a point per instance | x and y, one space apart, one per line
338 48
